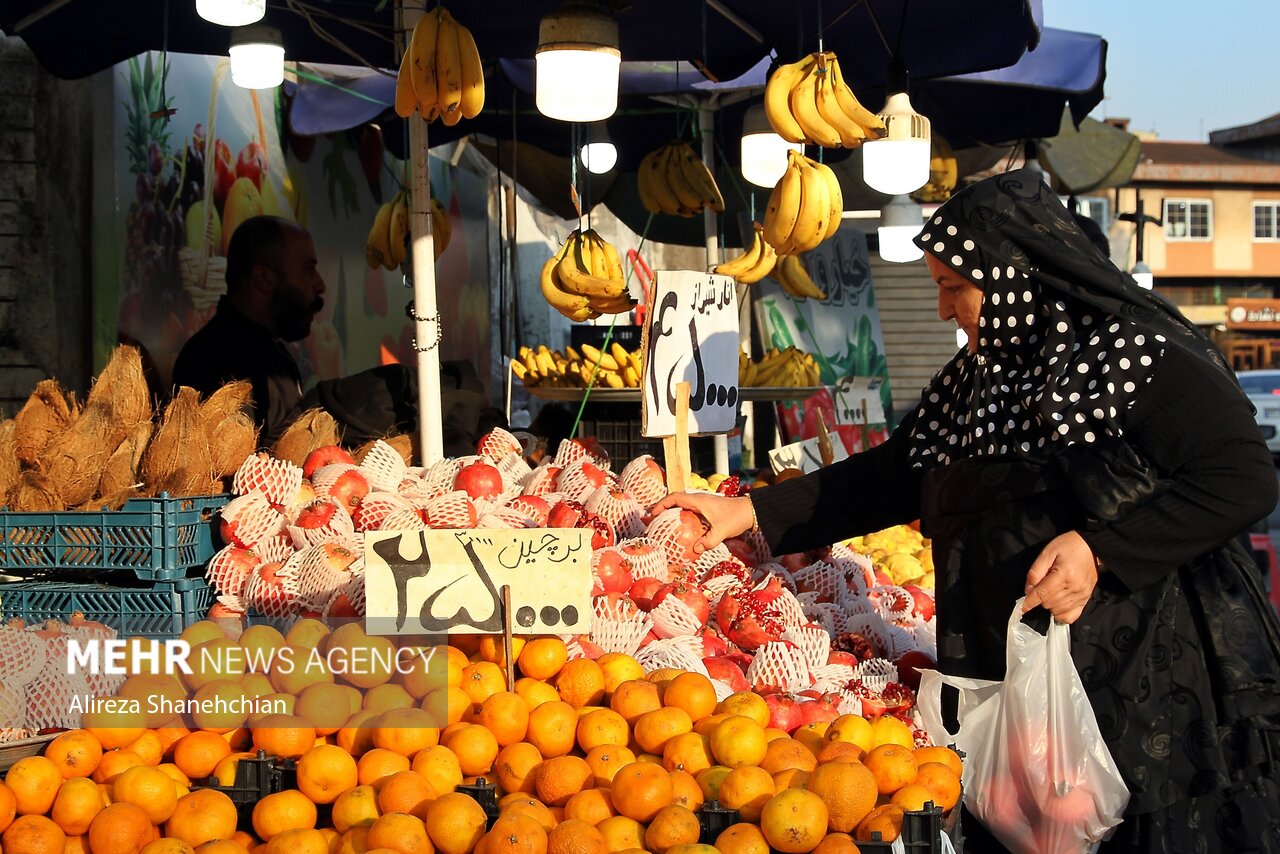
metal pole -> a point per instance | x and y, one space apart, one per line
706 127
1141 223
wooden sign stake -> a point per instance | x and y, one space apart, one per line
676 448
506 637
824 442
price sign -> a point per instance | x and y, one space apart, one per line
857 400
428 582
805 455
691 335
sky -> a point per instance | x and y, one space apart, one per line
1182 68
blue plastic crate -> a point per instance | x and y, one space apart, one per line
157 539
160 611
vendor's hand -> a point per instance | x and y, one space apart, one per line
1062 578
727 517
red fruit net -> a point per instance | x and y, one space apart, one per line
451 510
778 665
251 519
228 570
619 510
278 480
384 467
646 483
498 444
376 507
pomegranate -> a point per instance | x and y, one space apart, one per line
612 573
643 591
923 607
743 552
602 536
349 489
479 480
751 618
825 707
694 598
565 514
325 455
713 645
590 649
839 656
909 666
727 672
784 712
533 506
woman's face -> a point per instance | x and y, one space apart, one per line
958 299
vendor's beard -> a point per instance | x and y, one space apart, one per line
293 316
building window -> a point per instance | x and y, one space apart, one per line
1095 208
1266 220
1188 219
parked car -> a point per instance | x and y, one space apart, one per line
1263 389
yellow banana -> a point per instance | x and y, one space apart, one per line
800 277
546 365
574 272
851 133
784 206
595 356
572 306
747 260
871 124
835 199
599 262
644 177
448 68
472 74
777 93
572 355
653 169
422 60
768 257
811 222
613 262
690 201
780 276
619 354
441 227
406 99
376 247
699 177
398 230
630 377
804 106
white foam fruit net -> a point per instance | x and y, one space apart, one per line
778 665
339 528
646 558
451 510
712 556
376 507
572 451
347 601
514 468
876 673
384 467
673 618
439 478
229 568
821 578
535 513
404 519
325 477
251 519
417 489
759 546
267 593
924 632
278 480
790 609
831 677
617 508
579 479
901 641
13 706
871 627
722 689
275 548
622 635
22 655
859 571
826 614
812 641
498 444
645 480
51 699
321 571
682 653
893 604
574 648
663 530
721 585
541 480
504 517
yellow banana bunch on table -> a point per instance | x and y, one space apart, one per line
388 242
808 101
754 264
674 180
584 279
789 368
440 73
615 367
792 274
805 206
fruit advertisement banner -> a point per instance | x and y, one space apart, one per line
155 211
842 332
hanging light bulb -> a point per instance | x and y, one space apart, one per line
577 64
898 163
598 153
764 153
1143 276
900 223
257 57
231 13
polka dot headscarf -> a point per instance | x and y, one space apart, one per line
1050 368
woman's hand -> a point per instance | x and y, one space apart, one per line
1062 578
727 517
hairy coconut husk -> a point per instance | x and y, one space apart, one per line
74 459
122 390
233 397
313 429
120 477
403 444
178 455
10 468
44 415
232 442
34 494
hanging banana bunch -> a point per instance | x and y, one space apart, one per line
584 279
943 172
754 264
804 208
808 101
441 226
674 180
440 73
388 242
792 274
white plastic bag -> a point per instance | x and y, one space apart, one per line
1037 772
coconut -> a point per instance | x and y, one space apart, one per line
10 468
178 456
34 494
121 389
45 414
313 429
234 441
75 458
120 478
403 444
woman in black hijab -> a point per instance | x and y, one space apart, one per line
1088 449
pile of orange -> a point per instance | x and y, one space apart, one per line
589 757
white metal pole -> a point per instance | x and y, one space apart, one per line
706 126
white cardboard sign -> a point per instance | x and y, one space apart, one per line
805 455
435 581
691 335
852 394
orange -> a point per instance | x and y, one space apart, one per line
552 728
692 692
34 834
618 667
590 805
774 733
515 766
790 778
222 846
749 704
261 645
325 706
115 761
244 839
481 679
272 704
475 747
652 730
784 753
356 807
378 763
663 675
580 683
171 846
356 735
362 660
514 833
174 773
945 755
561 778
218 658
405 731
202 816
308 669
225 771
839 751
893 765
75 752
710 780
326 771
794 821
742 838
220 706
77 802
150 790
673 825
685 789
812 735
885 820
306 633
692 849
404 834
492 648
201 631
120 829
298 841
447 705
281 811
506 715
601 727
641 790
941 781
688 751
455 824
913 797
439 767
532 807
288 736
573 836
542 658
198 753
633 698
887 729
148 746
605 760
166 690
746 790
836 843
853 729
849 791
256 685
385 697
34 782
113 729
707 725
621 833
535 692
405 792
739 741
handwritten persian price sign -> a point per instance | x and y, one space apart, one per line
805 455
691 335
426 582
858 400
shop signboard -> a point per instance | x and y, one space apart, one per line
1258 315
805 455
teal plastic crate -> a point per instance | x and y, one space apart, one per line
162 610
157 539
